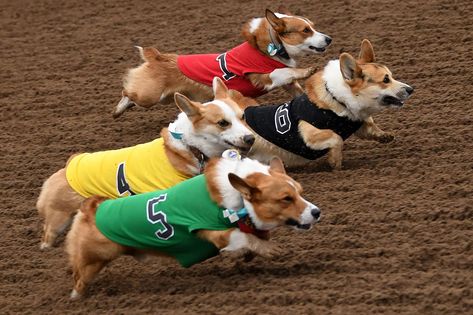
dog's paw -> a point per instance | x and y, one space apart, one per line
386 137
75 295
268 250
234 254
335 162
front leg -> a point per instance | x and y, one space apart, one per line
279 77
321 139
237 242
294 89
370 131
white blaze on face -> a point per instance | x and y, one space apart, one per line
307 216
237 131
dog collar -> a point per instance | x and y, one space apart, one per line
276 48
201 157
334 98
244 222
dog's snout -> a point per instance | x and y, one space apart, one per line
315 212
328 40
409 90
249 139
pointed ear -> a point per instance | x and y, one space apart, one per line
274 21
245 189
282 9
186 105
219 88
366 52
349 68
277 165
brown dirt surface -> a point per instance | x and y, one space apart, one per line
396 234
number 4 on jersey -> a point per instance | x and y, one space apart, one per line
122 185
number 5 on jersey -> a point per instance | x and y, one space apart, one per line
166 231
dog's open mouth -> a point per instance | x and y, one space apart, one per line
317 49
391 100
297 225
242 149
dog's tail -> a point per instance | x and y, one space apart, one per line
90 205
149 53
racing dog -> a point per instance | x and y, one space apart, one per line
201 131
221 210
340 101
266 60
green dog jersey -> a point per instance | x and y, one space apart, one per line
165 220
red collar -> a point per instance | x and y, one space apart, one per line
247 226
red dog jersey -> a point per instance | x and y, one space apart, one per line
231 66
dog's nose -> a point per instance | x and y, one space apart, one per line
249 139
315 213
328 40
409 90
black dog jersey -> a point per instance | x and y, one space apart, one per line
279 124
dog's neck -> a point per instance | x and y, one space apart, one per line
217 177
186 149
222 191
327 88
259 34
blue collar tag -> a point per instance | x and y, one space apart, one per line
176 135
272 49
233 215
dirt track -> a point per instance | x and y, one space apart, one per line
397 228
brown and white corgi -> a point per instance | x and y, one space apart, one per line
340 101
192 221
201 131
266 60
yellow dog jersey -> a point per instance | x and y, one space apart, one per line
123 172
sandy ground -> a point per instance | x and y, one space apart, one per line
397 229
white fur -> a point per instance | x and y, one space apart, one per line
280 77
254 24
210 143
231 197
306 216
238 240
363 105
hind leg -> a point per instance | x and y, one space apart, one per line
54 224
122 106
57 203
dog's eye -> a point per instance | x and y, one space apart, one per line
288 199
386 79
306 30
223 123
243 116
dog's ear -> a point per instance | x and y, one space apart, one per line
349 68
282 9
219 88
276 23
366 52
245 189
190 108
277 165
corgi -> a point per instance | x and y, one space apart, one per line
192 221
200 132
265 61
340 101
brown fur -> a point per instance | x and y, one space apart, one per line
159 77
363 73
272 197
58 202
